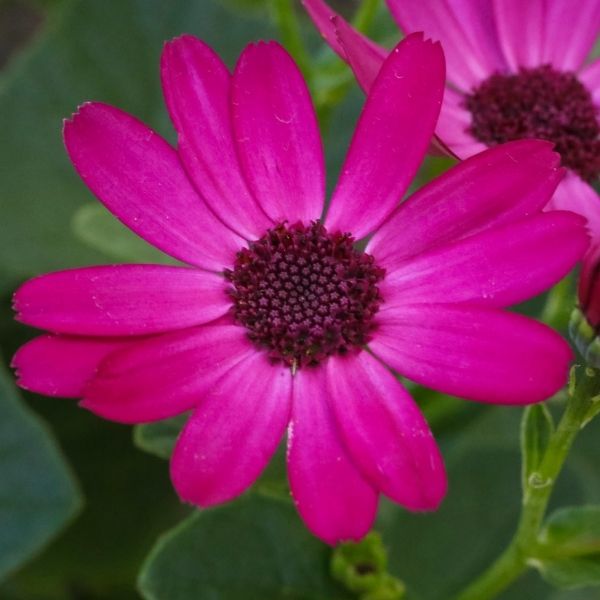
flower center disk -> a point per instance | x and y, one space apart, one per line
539 103
305 294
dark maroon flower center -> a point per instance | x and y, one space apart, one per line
539 103
304 294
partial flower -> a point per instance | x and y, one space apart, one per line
585 319
516 70
278 320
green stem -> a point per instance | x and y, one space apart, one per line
365 15
511 564
559 305
286 20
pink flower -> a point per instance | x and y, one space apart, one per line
267 326
585 318
589 289
516 69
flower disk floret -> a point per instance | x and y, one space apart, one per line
540 103
305 294
424 299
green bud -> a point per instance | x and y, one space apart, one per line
389 588
572 531
585 338
362 568
537 426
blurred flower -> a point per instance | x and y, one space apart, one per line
516 70
267 326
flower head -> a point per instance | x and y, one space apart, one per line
305 294
278 320
515 71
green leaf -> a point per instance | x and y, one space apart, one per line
247 5
593 411
254 548
537 426
99 229
159 438
38 495
572 531
570 572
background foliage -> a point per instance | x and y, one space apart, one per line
100 533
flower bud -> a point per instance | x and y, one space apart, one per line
585 319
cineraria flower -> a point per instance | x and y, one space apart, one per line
516 70
280 320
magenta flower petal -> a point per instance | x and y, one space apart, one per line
61 365
121 300
521 31
165 375
590 77
331 495
562 49
453 126
535 32
277 134
232 435
330 24
475 352
364 58
140 179
576 195
197 86
391 138
498 267
466 30
385 432
501 185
